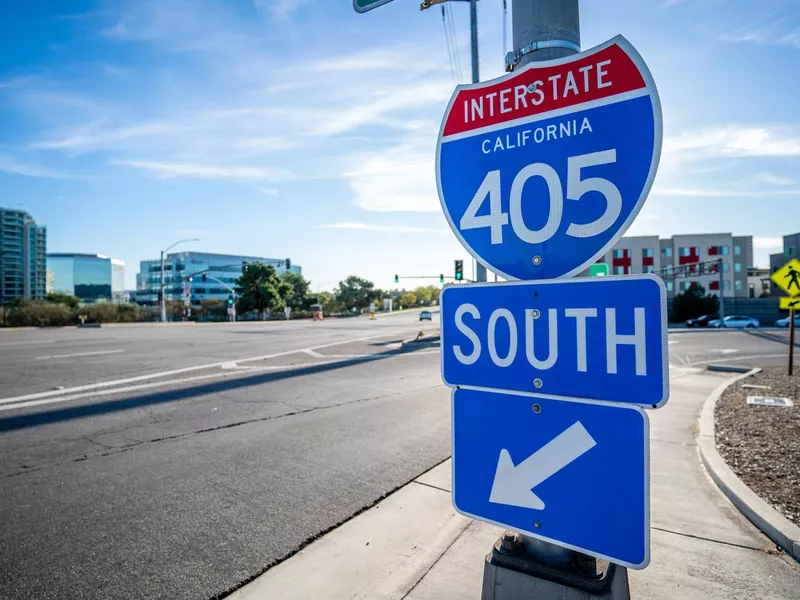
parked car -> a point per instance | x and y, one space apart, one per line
702 321
735 321
785 321
425 315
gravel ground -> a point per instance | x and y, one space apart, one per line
762 443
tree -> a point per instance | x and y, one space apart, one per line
427 294
694 303
408 299
67 300
298 296
261 289
355 292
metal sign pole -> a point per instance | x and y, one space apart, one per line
791 342
542 30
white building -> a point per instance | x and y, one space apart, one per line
676 258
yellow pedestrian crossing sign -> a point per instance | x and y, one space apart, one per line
788 277
789 303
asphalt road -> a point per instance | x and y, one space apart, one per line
179 462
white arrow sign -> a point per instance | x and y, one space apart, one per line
512 484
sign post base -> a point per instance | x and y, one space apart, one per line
513 570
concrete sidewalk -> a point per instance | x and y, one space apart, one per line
413 545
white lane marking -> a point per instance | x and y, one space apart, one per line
98 353
131 388
727 351
119 382
738 358
313 353
227 366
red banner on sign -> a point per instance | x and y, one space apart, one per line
537 90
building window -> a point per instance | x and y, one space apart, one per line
790 251
667 252
619 270
738 285
683 286
726 285
737 267
726 267
648 269
647 253
737 250
670 286
724 250
617 253
686 251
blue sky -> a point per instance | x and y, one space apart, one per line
300 128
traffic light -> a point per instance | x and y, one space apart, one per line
459 270
397 279
204 278
288 263
441 278
230 299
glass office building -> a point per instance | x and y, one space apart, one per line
178 267
23 246
90 277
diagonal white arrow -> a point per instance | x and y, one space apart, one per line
512 484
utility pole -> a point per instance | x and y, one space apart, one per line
545 30
161 287
480 270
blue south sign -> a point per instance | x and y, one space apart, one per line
600 338
541 171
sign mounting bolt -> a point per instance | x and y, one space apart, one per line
537 383
537 260
531 88
535 313
537 524
537 408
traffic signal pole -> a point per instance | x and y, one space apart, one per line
519 566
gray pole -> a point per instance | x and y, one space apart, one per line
539 21
163 300
480 270
721 266
544 20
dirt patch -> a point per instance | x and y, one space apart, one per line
762 443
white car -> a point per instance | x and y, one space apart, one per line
735 322
785 321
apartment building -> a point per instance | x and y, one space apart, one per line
23 245
676 260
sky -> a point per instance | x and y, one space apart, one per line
302 129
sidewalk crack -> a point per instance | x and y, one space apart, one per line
436 562
705 539
430 485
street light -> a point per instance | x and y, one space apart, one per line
163 298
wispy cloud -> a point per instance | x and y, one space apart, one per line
764 36
767 242
168 170
13 166
738 141
279 9
699 192
358 226
267 191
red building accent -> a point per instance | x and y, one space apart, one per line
624 262
648 261
692 258
714 285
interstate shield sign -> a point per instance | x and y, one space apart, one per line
541 171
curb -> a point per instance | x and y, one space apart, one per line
728 369
774 525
